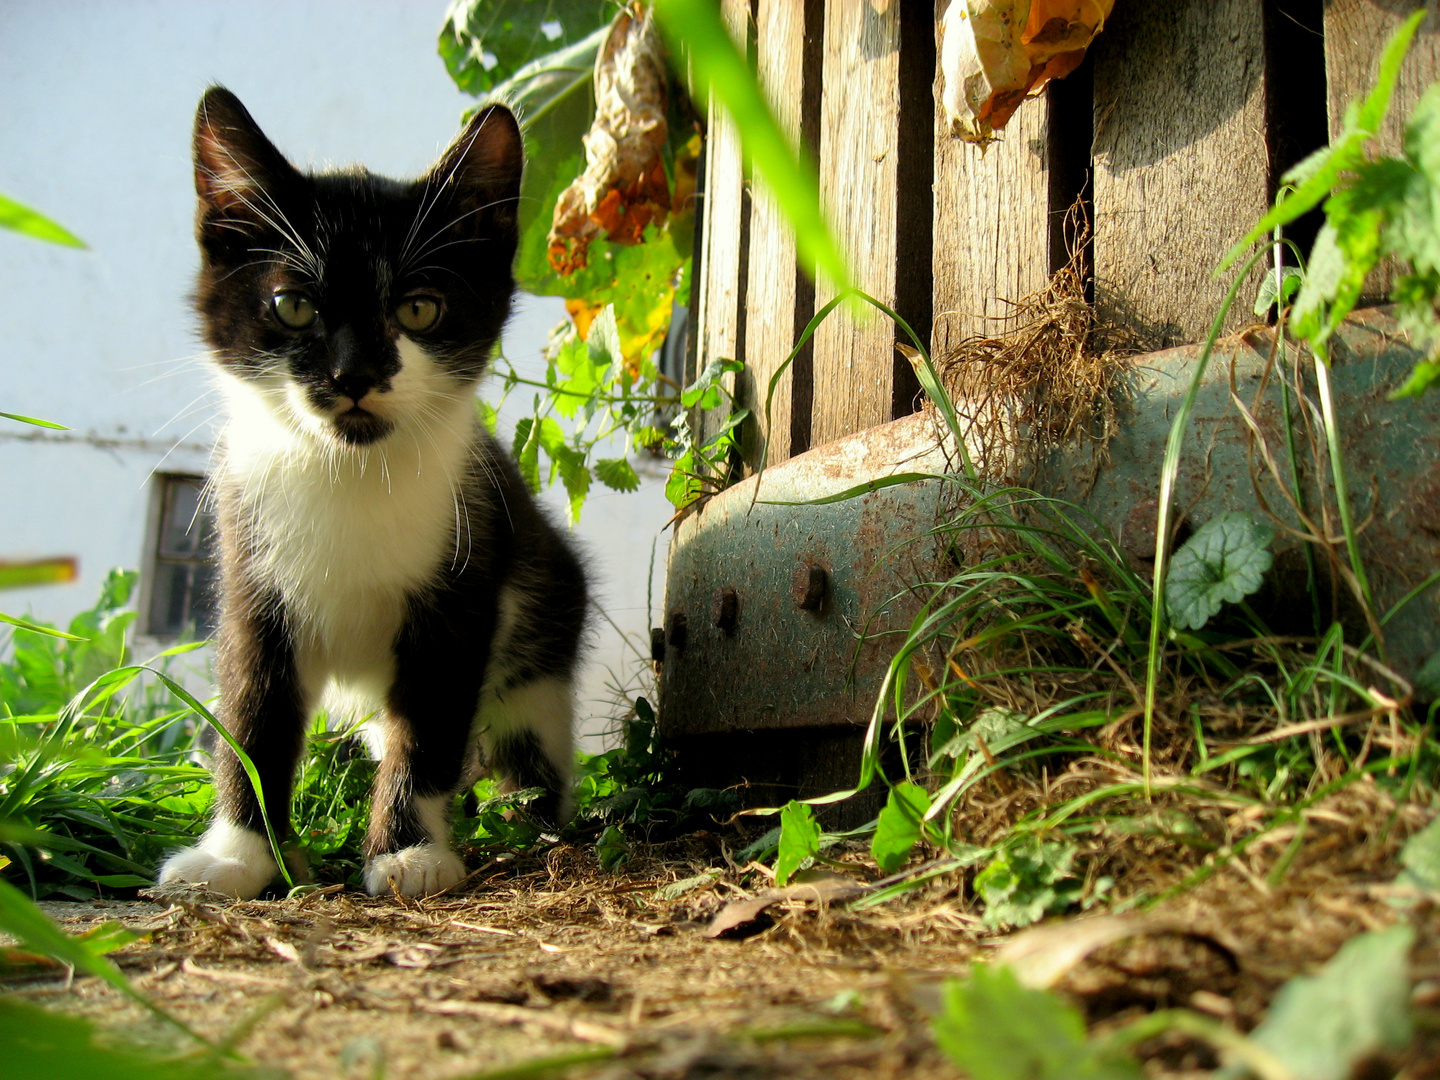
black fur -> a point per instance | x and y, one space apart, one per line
356 246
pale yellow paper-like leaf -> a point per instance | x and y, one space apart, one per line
994 53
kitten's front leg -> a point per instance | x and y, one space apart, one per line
262 705
427 732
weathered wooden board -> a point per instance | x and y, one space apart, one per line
720 323
860 113
1355 33
771 290
991 220
1181 168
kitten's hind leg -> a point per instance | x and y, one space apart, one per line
527 733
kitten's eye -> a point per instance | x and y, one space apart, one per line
294 309
418 312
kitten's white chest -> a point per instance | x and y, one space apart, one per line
346 538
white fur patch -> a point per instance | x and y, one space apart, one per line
545 707
414 871
345 532
229 860
423 868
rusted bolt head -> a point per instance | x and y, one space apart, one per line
657 644
725 609
677 629
1138 532
807 587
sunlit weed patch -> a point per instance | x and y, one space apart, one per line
104 781
1070 731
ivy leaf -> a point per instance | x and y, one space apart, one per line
1290 279
611 849
1321 1026
1225 560
995 1029
799 840
898 829
487 414
682 488
617 474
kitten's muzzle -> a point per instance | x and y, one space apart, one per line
354 371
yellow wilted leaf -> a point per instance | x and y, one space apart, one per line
994 53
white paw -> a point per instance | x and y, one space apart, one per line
228 860
415 871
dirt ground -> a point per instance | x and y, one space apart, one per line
550 955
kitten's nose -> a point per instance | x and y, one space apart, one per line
354 385
351 370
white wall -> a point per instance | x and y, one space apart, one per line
96 103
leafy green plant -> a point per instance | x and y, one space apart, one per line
1028 880
601 380
1363 994
1375 208
900 825
996 1029
1225 561
1318 1028
107 778
799 841
622 293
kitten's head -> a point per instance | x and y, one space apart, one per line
348 302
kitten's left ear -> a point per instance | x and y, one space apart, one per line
481 171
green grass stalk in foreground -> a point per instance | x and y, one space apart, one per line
1164 524
694 29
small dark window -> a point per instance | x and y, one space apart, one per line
181 596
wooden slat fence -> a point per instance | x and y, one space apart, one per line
1175 132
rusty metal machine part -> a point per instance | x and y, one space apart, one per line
821 585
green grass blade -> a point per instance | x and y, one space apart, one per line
859 489
695 28
809 332
37 226
32 420
1169 471
48 631
28 923
245 763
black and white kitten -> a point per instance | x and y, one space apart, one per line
374 537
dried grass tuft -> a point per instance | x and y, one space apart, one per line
1047 378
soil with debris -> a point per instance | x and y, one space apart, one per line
550 955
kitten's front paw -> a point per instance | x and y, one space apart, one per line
228 860
415 871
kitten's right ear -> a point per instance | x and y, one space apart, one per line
238 171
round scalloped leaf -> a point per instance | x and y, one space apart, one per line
1224 561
